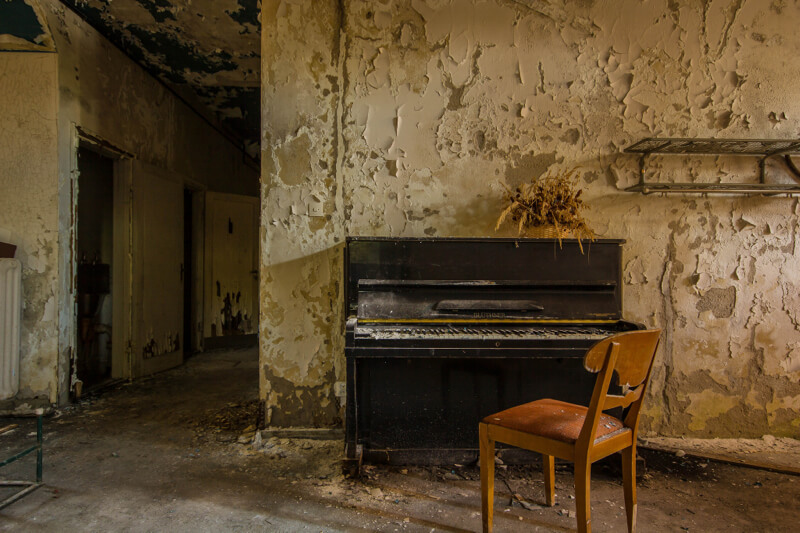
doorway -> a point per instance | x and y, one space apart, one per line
95 253
231 271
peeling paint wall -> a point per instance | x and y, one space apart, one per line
231 248
91 84
23 26
441 100
29 211
300 339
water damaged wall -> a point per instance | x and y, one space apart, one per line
302 218
29 208
403 118
29 188
205 50
44 97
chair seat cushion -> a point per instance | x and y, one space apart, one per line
553 419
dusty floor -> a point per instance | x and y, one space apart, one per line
163 454
780 453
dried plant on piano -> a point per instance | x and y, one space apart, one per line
553 200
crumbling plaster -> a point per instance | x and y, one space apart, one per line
87 83
109 96
430 104
29 209
301 255
206 50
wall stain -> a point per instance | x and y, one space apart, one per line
300 406
440 100
721 302
528 167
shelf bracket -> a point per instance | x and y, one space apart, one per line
762 169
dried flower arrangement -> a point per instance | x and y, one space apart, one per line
553 200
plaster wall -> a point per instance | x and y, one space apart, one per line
29 209
107 95
301 343
90 84
416 111
231 246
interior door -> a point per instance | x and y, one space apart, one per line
158 270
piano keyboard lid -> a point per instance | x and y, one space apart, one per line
483 280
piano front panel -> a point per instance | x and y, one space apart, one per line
429 403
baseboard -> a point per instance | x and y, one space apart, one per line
304 433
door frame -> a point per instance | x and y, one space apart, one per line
124 286
120 289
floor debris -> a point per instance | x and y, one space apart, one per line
164 454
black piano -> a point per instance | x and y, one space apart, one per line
444 331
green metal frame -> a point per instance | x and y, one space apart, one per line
27 486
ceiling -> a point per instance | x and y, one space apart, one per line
206 51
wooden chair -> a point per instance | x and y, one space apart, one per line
576 433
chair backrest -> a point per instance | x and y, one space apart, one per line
636 352
630 355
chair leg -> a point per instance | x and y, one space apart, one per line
629 485
583 507
549 468
487 477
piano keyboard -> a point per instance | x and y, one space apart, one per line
479 332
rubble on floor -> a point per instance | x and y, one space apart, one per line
177 452
235 421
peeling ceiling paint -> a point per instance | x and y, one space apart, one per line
23 27
207 50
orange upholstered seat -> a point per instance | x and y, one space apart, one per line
554 420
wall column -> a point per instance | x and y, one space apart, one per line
301 352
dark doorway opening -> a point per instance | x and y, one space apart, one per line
188 275
95 230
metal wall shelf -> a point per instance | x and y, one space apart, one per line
761 148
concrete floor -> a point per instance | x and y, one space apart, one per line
162 454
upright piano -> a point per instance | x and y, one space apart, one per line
441 332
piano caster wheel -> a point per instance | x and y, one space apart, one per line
351 466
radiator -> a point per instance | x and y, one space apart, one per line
10 310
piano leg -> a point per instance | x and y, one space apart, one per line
353 452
